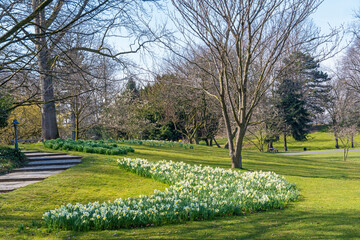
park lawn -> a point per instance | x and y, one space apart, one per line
328 207
315 141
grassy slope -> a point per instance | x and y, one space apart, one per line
328 208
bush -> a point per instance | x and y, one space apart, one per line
158 143
10 159
79 148
88 149
88 146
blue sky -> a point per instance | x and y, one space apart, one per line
332 13
335 13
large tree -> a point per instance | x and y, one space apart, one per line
245 40
43 40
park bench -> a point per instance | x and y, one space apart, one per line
273 150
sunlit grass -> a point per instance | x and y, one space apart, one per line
315 141
328 207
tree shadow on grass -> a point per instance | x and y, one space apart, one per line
274 224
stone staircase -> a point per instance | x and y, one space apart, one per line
40 166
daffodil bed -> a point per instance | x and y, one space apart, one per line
196 193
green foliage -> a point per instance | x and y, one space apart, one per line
10 159
303 92
88 146
165 131
293 112
157 143
312 84
5 103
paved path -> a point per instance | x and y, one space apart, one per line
317 152
40 166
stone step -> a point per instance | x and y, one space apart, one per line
27 176
42 154
44 168
53 162
26 151
10 186
53 158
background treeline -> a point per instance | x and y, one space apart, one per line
60 76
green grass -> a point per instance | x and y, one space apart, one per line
329 206
316 141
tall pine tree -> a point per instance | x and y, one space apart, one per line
301 92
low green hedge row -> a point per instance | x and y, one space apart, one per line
158 143
88 146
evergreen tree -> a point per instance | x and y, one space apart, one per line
313 84
302 91
295 116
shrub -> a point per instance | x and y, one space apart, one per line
79 148
88 150
10 159
88 146
56 146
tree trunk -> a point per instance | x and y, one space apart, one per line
216 143
77 127
352 141
48 111
270 145
211 142
346 152
206 141
285 142
232 137
236 158
73 125
336 142
229 133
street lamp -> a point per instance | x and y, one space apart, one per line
15 123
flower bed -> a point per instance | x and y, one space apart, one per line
158 143
88 146
196 193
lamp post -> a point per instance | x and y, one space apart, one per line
15 123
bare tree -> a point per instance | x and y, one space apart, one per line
346 136
245 40
41 41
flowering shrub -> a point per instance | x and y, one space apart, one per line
196 193
158 143
88 146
